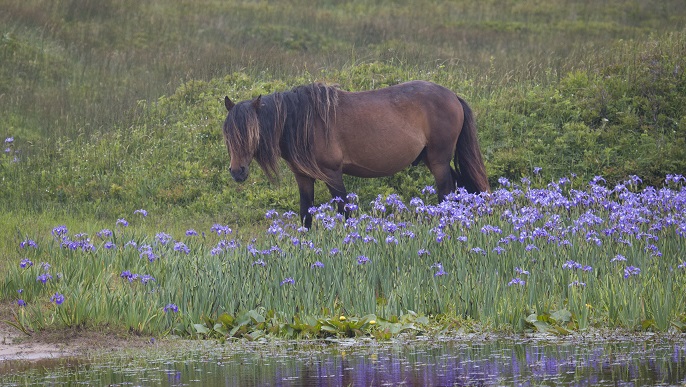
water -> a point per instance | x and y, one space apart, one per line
368 363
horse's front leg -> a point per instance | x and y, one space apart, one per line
445 179
337 190
306 189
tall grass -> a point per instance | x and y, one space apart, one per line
569 257
79 66
114 105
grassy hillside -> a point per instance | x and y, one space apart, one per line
112 106
81 65
115 105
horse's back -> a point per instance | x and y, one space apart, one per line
416 103
380 132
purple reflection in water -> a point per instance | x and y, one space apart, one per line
451 364
645 361
519 364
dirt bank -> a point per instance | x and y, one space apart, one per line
15 345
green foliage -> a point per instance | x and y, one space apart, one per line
556 323
614 121
117 105
256 324
294 283
93 136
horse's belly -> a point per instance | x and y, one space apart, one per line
367 171
381 163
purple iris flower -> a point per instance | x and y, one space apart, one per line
180 246
516 281
45 277
440 271
570 264
675 178
59 231
28 243
317 264
220 229
631 271
391 239
618 258
171 307
478 250
57 298
428 190
104 233
519 270
149 255
530 247
163 238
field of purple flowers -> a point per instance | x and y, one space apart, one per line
568 257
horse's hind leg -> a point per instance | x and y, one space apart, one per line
445 182
419 158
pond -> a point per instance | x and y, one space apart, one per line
433 362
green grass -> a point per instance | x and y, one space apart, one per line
116 105
569 258
81 66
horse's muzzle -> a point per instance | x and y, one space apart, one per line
239 174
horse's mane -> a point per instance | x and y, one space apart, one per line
283 124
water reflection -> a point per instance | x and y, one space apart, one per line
450 363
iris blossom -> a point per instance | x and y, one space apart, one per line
57 298
171 308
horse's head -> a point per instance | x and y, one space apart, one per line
241 135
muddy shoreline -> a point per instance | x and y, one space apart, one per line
84 343
64 343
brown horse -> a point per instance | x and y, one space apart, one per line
323 132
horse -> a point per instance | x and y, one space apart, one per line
324 132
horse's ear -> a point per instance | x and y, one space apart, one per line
227 102
257 103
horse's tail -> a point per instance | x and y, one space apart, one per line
472 174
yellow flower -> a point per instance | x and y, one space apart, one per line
372 322
342 318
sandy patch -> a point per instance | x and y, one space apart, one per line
15 345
